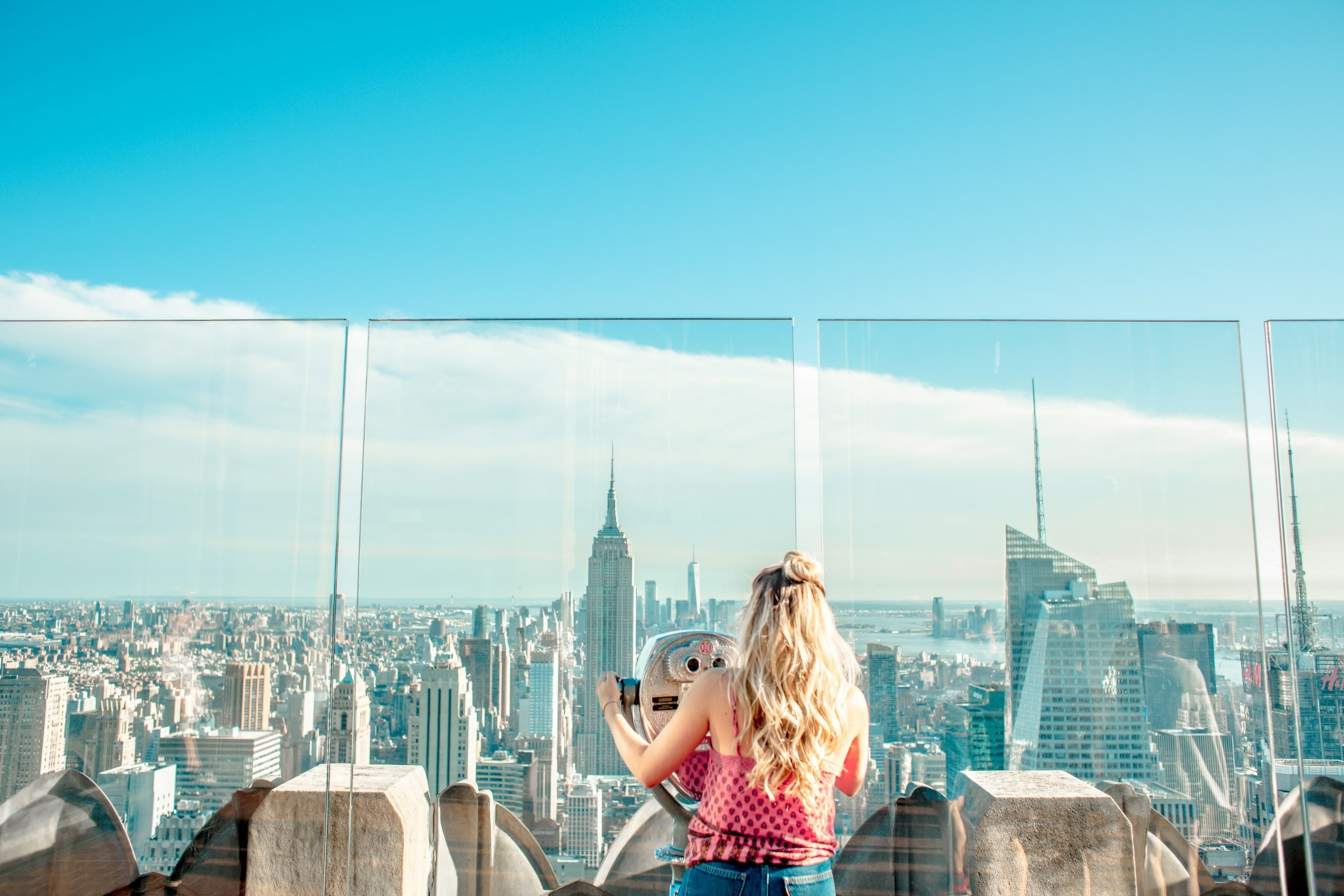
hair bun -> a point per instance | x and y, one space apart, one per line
800 568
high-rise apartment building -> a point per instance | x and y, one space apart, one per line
143 795
538 709
609 645
1194 762
582 829
1076 688
247 696
32 727
100 739
175 833
443 736
348 736
545 798
509 778
210 767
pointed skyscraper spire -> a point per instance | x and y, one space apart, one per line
611 525
1304 616
1036 445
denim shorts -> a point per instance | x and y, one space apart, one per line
738 879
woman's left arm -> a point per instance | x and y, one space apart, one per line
652 762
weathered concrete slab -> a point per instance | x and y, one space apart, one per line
378 838
1045 834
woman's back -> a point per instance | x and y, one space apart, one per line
738 821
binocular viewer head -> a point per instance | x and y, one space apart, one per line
667 666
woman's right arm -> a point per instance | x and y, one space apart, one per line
851 776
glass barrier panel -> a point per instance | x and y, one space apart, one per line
1306 656
542 500
167 552
1039 540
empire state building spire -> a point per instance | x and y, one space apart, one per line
611 526
1304 617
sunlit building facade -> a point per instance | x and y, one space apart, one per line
609 645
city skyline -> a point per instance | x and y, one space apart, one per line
443 692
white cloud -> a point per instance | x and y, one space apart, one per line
144 456
154 457
485 464
28 296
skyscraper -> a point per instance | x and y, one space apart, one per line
32 727
247 696
1076 689
610 633
885 722
100 739
546 799
349 735
480 621
1178 673
443 734
487 665
537 710
973 738
985 711
651 605
693 589
938 618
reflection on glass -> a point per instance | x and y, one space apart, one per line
1040 536
169 532
539 498
1304 672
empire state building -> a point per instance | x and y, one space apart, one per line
609 633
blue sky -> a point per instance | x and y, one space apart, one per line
1137 160
761 160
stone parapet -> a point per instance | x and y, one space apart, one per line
379 837
1045 834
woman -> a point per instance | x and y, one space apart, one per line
786 727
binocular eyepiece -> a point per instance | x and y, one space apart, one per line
666 667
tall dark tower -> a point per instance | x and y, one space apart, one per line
609 644
1304 615
1075 690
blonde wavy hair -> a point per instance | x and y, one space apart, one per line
790 685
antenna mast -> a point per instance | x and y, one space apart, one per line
1303 611
1036 444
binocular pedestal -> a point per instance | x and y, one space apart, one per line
666 668
674 853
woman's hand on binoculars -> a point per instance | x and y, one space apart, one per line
608 689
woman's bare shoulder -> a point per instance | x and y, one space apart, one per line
855 702
710 684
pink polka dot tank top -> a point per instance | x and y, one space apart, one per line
737 822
